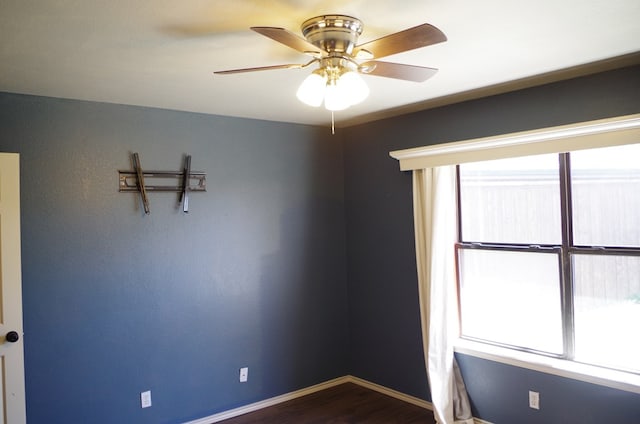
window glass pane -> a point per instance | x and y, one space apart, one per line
607 310
511 298
606 196
511 200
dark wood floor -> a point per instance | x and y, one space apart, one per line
343 404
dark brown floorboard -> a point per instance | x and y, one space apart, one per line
343 404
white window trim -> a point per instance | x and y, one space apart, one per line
585 135
620 380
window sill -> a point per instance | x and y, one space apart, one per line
588 373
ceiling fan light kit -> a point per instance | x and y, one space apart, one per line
336 82
331 40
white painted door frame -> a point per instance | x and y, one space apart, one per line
12 388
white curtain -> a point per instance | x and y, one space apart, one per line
434 197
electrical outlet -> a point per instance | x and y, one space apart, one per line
244 374
534 400
145 399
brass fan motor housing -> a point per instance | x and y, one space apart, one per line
335 34
332 41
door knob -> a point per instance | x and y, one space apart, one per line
12 337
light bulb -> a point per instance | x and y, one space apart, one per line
353 86
312 89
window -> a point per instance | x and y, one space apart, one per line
549 254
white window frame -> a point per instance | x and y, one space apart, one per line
587 135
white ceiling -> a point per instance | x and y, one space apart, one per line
162 53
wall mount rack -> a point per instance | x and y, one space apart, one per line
187 181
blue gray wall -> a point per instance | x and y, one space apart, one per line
383 310
116 302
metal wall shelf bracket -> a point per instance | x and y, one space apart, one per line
182 182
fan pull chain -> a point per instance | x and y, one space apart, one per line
333 124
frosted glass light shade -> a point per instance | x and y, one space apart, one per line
335 98
338 92
353 86
312 89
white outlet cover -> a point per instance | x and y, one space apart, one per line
145 399
244 374
534 400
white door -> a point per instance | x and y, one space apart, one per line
12 397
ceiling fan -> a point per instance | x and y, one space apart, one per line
331 41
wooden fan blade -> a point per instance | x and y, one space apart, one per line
397 71
289 39
260 68
409 39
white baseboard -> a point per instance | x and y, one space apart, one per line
399 395
221 416
390 392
